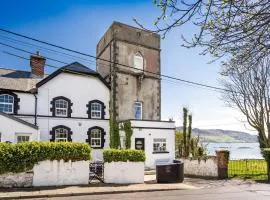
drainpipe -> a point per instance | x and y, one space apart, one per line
34 92
35 108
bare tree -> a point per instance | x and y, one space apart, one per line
230 29
248 90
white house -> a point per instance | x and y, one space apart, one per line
72 103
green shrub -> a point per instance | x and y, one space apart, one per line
23 156
266 154
117 155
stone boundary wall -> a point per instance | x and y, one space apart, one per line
210 167
49 173
201 168
9 180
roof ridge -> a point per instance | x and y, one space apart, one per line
14 69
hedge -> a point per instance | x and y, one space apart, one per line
266 154
120 155
23 156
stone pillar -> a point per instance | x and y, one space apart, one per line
222 163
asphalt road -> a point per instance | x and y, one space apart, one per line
219 193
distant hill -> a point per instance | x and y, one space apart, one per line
219 135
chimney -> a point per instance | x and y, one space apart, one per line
37 63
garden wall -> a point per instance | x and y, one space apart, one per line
49 173
201 168
210 167
124 172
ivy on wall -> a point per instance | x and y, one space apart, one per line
114 134
126 127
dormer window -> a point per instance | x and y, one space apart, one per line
6 103
9 102
96 109
138 62
61 107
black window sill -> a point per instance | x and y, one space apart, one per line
158 152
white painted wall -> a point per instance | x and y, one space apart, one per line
204 168
124 172
27 103
56 173
79 127
149 132
9 130
79 89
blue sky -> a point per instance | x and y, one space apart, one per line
80 24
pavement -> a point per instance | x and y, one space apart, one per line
92 189
191 188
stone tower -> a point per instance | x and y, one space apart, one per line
133 73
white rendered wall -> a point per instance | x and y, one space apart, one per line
79 128
56 173
124 172
27 103
79 89
9 130
159 130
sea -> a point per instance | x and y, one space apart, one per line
237 150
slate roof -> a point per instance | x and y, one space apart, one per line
19 120
18 80
75 68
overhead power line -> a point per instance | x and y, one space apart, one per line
11 54
115 63
19 49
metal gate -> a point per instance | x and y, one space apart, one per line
96 171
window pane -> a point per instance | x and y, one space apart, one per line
61 107
138 61
138 110
23 138
61 135
96 138
96 110
6 103
159 144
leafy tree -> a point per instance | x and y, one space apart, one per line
237 30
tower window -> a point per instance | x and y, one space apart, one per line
138 110
138 61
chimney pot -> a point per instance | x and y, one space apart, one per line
37 63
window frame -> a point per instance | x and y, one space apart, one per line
89 110
96 138
160 148
102 137
16 100
23 135
53 107
138 58
59 139
8 103
61 101
53 133
96 111
141 109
